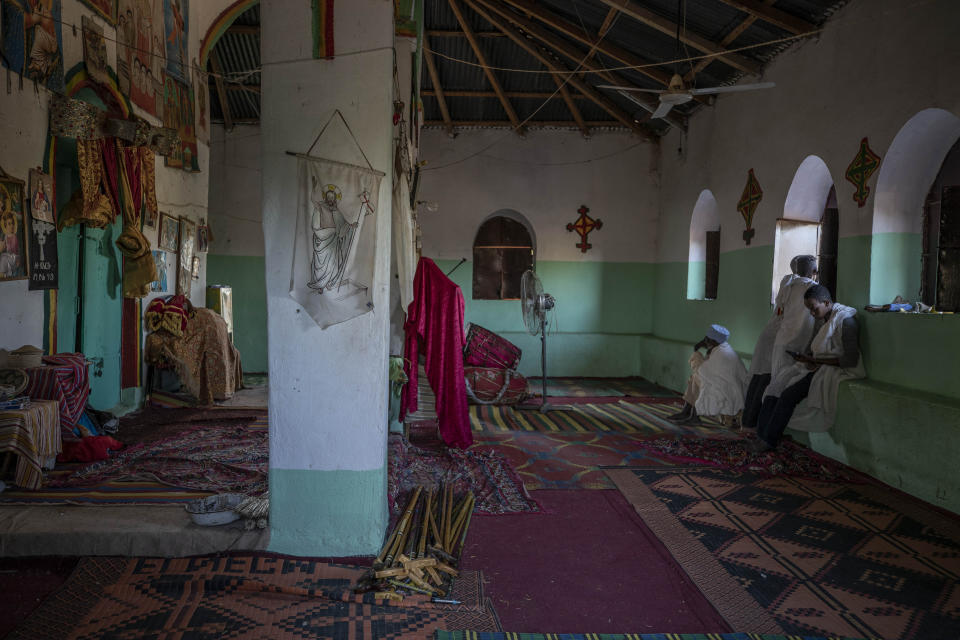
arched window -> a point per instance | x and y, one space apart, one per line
809 224
940 266
502 251
908 169
703 259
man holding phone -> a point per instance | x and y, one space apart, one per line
833 355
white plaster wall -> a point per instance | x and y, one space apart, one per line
537 177
876 64
236 210
328 399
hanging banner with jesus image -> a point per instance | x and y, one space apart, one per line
334 246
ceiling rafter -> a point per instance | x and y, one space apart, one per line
576 32
640 13
454 33
438 89
764 11
557 67
221 91
542 95
558 45
468 31
571 106
727 39
533 124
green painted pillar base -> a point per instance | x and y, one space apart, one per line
327 513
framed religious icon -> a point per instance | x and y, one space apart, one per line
195 271
13 228
169 232
41 196
203 238
188 249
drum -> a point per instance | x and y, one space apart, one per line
486 349
494 386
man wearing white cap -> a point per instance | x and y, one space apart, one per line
718 381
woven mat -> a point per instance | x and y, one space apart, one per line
479 635
240 597
804 556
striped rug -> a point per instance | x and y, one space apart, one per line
646 418
110 492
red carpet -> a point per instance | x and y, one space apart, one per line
587 565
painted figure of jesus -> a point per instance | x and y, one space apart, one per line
332 238
44 54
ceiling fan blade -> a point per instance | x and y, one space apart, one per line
734 88
616 88
662 110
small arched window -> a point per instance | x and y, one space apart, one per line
703 257
940 286
502 251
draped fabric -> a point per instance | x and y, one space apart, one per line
139 268
435 327
64 379
403 245
723 382
32 434
90 206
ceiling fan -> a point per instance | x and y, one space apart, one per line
677 91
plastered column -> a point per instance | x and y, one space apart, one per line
328 388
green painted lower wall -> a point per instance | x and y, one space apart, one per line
895 267
327 513
246 275
696 280
602 308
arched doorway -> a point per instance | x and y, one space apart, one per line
502 250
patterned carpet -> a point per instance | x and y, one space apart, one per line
232 597
566 460
627 417
487 474
481 635
599 387
805 556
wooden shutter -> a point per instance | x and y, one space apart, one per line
827 260
948 255
928 259
712 265
502 251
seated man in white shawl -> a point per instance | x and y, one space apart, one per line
789 329
833 355
717 381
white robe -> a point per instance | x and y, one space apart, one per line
796 326
723 382
817 411
762 361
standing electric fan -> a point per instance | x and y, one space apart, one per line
534 304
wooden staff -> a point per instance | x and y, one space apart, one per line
412 528
433 520
401 532
463 534
448 518
461 518
422 547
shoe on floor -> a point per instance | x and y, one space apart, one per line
759 446
683 414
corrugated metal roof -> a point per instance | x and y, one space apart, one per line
712 20
238 52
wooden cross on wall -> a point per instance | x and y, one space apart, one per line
583 226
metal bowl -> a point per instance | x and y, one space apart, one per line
215 510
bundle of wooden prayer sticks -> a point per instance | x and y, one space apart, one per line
422 553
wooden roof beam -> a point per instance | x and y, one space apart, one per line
605 103
541 95
571 106
244 29
453 33
774 16
438 90
532 124
641 14
575 54
574 31
468 31
221 91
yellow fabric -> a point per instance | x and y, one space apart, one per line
139 269
99 215
148 181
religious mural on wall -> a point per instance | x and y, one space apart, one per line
41 232
176 27
13 244
141 54
31 39
178 114
106 9
95 51
200 88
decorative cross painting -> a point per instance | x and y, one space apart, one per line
860 170
106 9
13 245
583 225
141 53
41 233
176 27
749 199
31 39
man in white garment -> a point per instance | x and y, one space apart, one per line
717 381
789 329
804 394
